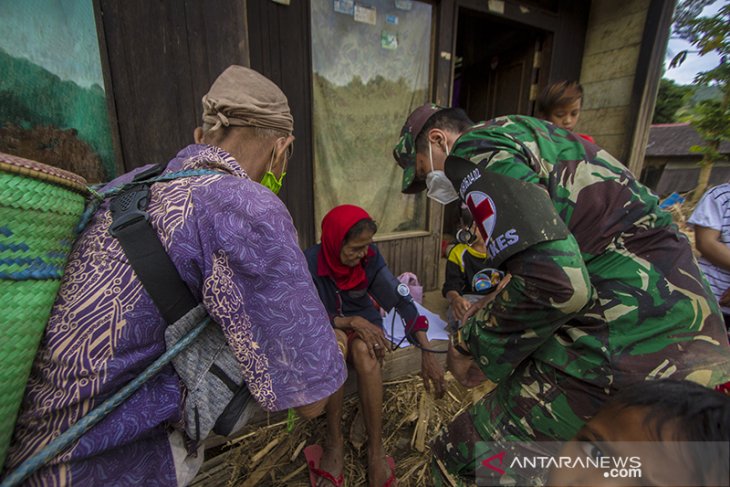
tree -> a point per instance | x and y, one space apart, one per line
670 98
711 118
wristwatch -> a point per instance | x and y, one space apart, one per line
457 342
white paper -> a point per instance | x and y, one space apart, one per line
404 4
366 15
496 6
436 327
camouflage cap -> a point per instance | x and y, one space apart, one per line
405 150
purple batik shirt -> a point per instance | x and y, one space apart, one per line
234 244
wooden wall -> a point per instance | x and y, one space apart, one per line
279 37
624 48
615 29
160 58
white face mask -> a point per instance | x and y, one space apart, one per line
439 187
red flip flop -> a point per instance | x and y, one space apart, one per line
392 481
313 454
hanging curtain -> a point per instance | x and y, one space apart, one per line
371 67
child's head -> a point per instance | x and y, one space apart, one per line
672 427
561 102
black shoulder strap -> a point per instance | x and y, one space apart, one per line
154 268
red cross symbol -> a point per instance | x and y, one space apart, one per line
482 209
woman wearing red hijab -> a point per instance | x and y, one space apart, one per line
349 273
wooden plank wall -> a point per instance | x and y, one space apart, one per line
160 59
419 255
613 43
646 82
280 49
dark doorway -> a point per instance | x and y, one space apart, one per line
498 65
497 72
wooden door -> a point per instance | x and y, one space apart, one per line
495 72
159 58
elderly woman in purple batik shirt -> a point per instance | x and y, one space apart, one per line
234 245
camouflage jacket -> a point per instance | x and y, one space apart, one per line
614 299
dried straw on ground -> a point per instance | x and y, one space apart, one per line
270 455
680 214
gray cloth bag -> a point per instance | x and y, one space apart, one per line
217 397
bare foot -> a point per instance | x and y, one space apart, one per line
332 461
378 471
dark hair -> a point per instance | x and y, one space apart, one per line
699 414
359 227
466 217
704 414
452 119
558 94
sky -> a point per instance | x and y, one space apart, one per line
685 73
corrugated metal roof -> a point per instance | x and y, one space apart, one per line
675 139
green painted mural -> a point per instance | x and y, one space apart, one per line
52 104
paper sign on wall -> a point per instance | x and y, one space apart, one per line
388 40
366 15
345 6
404 4
391 19
496 6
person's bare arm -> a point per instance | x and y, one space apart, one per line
431 370
459 304
463 367
709 244
371 334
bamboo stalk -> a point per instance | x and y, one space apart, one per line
261 454
447 476
254 433
298 450
266 466
424 412
293 474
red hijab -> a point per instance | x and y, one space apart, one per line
335 226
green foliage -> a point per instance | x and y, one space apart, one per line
711 118
705 92
712 122
31 96
670 99
686 11
706 35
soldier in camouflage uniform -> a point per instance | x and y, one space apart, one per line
604 292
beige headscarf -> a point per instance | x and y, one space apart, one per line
244 98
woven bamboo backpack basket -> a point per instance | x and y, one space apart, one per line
40 207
